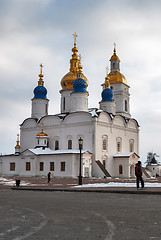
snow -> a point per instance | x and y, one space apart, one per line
40 151
124 154
117 184
11 182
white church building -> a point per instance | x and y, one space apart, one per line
51 142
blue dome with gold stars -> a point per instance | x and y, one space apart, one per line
107 95
40 92
79 85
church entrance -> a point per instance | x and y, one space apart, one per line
86 172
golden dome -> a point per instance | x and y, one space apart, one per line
114 56
116 77
18 142
75 68
68 79
42 134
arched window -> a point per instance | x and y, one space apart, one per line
120 169
69 144
118 144
131 145
113 65
126 109
104 144
64 104
56 145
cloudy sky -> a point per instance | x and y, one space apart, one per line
35 31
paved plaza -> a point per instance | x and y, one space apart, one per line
46 215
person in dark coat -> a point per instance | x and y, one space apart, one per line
138 173
49 176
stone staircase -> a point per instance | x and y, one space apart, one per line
106 173
145 173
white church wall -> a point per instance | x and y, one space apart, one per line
71 165
115 131
124 162
29 123
104 117
119 121
78 117
50 121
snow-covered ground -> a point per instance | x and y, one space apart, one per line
11 182
117 184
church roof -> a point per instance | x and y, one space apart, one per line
48 151
123 155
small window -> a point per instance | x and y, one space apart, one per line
131 145
125 105
12 166
62 166
104 163
118 146
64 104
28 166
120 169
113 65
46 108
69 144
37 141
44 141
56 145
104 144
41 166
51 166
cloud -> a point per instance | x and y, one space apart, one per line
35 31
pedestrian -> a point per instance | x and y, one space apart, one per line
49 176
138 173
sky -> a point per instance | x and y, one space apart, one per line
40 31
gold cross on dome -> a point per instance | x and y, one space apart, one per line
42 124
18 136
114 47
75 36
107 70
41 66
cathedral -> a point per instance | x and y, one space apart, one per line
109 136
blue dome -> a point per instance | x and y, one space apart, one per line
40 92
107 95
79 85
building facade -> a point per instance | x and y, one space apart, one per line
51 142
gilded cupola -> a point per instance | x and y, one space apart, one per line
107 94
42 134
115 75
75 67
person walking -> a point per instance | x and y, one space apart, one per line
138 173
49 176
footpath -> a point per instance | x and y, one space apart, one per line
88 185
